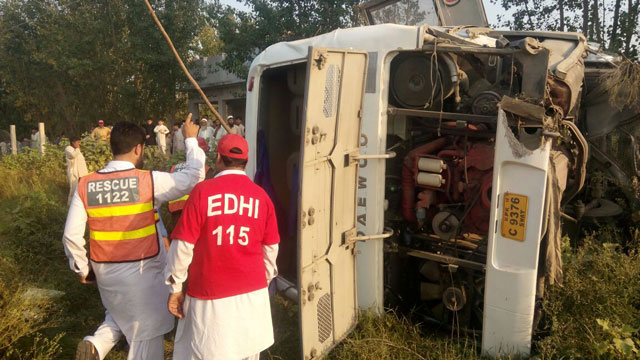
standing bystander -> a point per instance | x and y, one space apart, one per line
232 125
239 125
35 139
150 137
206 132
101 133
178 139
161 132
76 166
219 132
226 243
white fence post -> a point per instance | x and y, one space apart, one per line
43 138
14 141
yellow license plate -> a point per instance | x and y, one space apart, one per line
514 216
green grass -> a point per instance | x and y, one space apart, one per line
595 314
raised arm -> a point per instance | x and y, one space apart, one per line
71 153
171 186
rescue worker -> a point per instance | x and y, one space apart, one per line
226 242
76 165
176 206
101 133
118 203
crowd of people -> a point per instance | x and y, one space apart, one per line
172 141
168 141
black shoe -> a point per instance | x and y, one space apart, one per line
86 351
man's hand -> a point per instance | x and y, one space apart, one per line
189 129
89 279
174 304
148 137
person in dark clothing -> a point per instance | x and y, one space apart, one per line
150 138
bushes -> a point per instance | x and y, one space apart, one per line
29 171
23 313
596 313
96 153
32 208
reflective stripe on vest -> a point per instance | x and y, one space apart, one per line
178 204
121 216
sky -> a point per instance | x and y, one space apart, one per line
491 9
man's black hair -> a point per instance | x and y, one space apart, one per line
125 136
231 162
73 139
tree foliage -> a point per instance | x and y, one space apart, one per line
615 24
69 63
246 33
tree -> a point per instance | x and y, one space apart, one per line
246 33
70 63
618 33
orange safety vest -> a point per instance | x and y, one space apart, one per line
121 216
178 204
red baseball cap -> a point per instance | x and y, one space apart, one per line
233 146
202 143
100 121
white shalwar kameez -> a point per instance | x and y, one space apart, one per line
35 140
161 137
227 337
76 168
207 135
178 141
133 293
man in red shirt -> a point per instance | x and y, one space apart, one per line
227 241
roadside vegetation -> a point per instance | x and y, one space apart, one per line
45 311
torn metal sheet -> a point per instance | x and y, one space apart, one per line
530 113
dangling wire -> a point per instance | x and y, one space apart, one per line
438 81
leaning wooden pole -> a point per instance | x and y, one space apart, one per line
184 68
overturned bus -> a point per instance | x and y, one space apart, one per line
424 164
